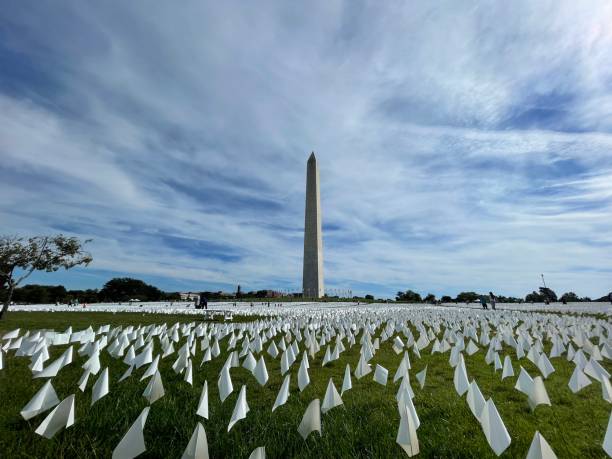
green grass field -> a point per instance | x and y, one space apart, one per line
365 426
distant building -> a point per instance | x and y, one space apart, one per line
189 296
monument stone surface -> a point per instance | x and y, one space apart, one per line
312 283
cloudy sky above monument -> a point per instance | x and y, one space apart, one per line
461 145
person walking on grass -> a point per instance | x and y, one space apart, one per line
493 299
483 302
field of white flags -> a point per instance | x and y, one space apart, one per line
305 380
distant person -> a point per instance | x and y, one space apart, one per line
483 303
493 299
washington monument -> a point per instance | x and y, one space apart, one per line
312 283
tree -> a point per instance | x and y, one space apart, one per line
369 297
125 289
172 296
508 299
446 299
548 294
605 298
39 294
430 298
20 257
467 297
569 297
409 297
534 297
84 296
544 295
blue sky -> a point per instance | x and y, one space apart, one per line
462 145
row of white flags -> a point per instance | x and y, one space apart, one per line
290 336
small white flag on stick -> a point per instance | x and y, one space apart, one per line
346 383
538 394
249 362
100 387
151 369
203 404
475 400
524 383
83 380
311 421
303 378
363 368
189 373
420 376
283 393
261 372
579 380
606 390
332 398
62 416
45 399
197 448
155 389
127 373
540 449
607 444
240 410
380 375
507 371
406 433
132 444
460 378
494 429
225 383
259 453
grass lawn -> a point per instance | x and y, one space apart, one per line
365 426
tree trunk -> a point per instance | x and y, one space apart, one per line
9 297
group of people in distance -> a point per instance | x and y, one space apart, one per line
492 299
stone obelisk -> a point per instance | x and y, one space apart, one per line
312 283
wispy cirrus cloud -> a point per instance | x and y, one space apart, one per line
460 147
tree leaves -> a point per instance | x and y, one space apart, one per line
38 253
